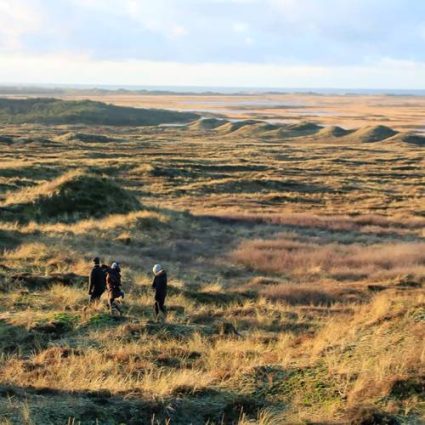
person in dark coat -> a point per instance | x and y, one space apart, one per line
160 286
113 283
97 281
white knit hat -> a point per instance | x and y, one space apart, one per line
157 268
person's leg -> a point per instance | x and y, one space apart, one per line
117 307
162 306
95 297
156 309
114 306
111 302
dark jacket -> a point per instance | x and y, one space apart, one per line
113 282
97 280
160 285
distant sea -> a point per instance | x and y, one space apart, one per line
259 90
223 90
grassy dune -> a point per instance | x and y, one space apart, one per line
56 111
296 263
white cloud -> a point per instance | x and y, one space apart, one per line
297 10
321 43
240 27
17 18
71 69
159 16
179 31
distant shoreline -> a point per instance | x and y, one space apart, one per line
55 89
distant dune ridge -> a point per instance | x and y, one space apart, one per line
373 133
231 126
55 111
255 128
207 123
412 138
85 137
333 131
304 126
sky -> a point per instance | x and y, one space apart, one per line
217 43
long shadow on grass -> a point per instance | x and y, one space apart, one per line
200 243
184 405
18 340
325 235
9 239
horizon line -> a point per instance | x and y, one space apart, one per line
205 88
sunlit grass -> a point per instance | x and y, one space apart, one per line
295 272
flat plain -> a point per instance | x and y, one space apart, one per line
294 242
348 111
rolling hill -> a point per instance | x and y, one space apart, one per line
56 111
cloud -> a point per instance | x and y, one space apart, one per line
285 34
80 69
240 27
160 16
325 32
17 18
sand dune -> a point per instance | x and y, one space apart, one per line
74 193
207 124
56 111
304 126
254 128
259 129
411 138
230 127
297 130
370 134
84 137
333 131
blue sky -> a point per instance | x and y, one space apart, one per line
262 43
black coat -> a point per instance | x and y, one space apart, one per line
97 280
160 286
113 282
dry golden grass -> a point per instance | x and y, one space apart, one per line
402 112
30 194
296 269
286 255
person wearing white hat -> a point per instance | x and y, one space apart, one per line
160 286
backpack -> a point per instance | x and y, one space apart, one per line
113 280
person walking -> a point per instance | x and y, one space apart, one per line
160 286
113 283
97 281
